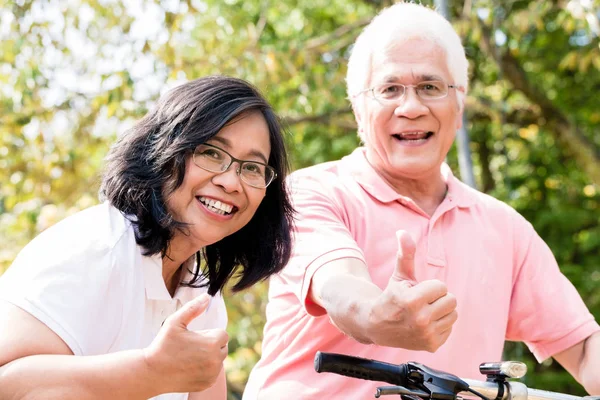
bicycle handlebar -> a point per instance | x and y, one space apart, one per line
361 368
518 390
413 379
410 379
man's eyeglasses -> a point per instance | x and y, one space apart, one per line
426 90
215 159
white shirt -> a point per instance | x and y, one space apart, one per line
87 280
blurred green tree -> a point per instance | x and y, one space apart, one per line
74 75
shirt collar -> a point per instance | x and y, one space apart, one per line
153 279
367 177
155 284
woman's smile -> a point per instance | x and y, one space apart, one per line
216 207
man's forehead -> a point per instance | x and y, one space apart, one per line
414 60
407 73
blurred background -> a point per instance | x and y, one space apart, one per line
74 74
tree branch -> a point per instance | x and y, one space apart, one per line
336 34
583 149
318 118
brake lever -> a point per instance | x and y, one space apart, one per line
401 390
438 385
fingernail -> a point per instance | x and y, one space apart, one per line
203 299
398 233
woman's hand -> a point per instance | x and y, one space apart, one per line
184 360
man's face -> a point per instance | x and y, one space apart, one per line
410 137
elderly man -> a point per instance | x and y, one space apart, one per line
394 258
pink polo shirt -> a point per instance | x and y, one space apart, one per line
506 280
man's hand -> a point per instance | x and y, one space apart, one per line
410 315
184 360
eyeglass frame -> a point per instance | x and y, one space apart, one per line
239 169
389 101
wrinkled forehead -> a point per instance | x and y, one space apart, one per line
408 61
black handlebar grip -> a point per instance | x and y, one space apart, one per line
361 368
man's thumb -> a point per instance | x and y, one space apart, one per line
191 310
405 258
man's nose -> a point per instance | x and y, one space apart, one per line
410 105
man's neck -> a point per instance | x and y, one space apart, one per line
427 193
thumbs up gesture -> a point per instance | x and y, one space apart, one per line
187 361
405 259
411 315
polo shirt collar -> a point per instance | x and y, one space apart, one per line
153 279
362 171
155 284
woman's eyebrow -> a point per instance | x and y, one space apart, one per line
258 154
227 144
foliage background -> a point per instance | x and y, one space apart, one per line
76 73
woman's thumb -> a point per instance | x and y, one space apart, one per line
191 310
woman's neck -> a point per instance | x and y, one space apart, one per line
171 275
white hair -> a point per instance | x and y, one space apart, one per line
400 23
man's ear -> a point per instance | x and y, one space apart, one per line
357 115
461 110
459 119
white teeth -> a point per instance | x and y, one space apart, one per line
413 135
216 206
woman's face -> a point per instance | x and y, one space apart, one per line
216 205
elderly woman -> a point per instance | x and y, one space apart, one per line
123 300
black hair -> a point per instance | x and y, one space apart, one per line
147 164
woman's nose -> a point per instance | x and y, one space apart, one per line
229 179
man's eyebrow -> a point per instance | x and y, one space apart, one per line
227 143
428 77
422 77
390 79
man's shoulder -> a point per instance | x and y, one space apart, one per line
343 171
327 178
323 170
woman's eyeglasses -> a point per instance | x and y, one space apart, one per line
215 159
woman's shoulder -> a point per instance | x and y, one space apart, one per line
85 238
72 276
98 227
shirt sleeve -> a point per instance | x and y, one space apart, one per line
70 285
321 234
546 311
